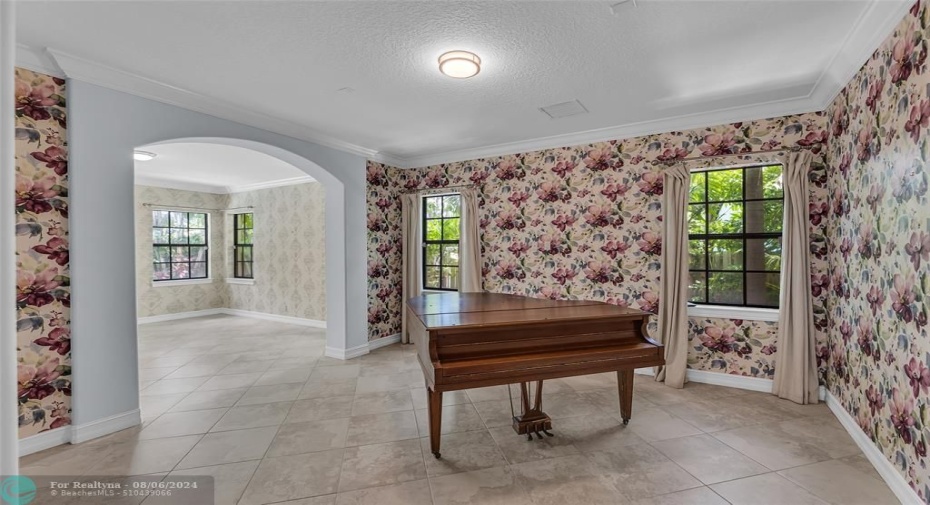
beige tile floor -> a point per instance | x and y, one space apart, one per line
255 405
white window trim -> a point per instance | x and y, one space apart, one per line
181 282
727 312
240 280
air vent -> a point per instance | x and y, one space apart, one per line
564 109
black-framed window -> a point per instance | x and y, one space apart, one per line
734 236
242 245
179 245
441 229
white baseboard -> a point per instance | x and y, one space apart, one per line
383 341
727 380
883 466
299 321
178 315
77 433
44 440
344 354
94 429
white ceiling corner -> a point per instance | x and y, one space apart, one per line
404 114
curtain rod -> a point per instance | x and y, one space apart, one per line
167 206
782 149
439 189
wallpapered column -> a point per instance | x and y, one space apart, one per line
879 249
583 222
43 295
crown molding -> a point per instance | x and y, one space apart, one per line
872 27
37 61
82 69
876 23
293 181
197 187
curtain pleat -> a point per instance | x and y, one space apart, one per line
470 253
673 307
796 359
410 225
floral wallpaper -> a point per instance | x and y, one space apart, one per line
584 222
158 300
43 293
732 346
878 231
289 263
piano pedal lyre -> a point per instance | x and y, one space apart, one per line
533 419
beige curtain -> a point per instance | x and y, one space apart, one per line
673 308
470 254
410 226
796 361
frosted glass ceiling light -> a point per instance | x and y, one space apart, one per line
460 64
143 156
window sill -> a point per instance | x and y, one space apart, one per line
245 282
188 282
436 291
724 312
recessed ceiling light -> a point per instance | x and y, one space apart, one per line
460 64
143 156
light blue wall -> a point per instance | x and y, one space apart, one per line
104 127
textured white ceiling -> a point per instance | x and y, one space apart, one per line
652 60
212 167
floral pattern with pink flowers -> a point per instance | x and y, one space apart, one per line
584 222
43 292
878 349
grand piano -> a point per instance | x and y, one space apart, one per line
473 340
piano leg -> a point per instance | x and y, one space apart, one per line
625 384
434 407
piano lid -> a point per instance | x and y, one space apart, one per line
445 310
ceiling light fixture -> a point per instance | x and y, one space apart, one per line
459 64
143 156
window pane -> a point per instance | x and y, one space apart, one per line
198 221
450 277
432 278
247 221
246 253
772 182
725 254
450 255
433 207
450 229
162 271
198 236
249 237
162 254
696 254
432 254
178 236
723 185
247 270
762 289
726 288
159 235
160 218
434 229
763 254
698 193
451 206
240 237
198 253
180 271
198 270
697 220
179 219
696 287
764 217
180 254
725 218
